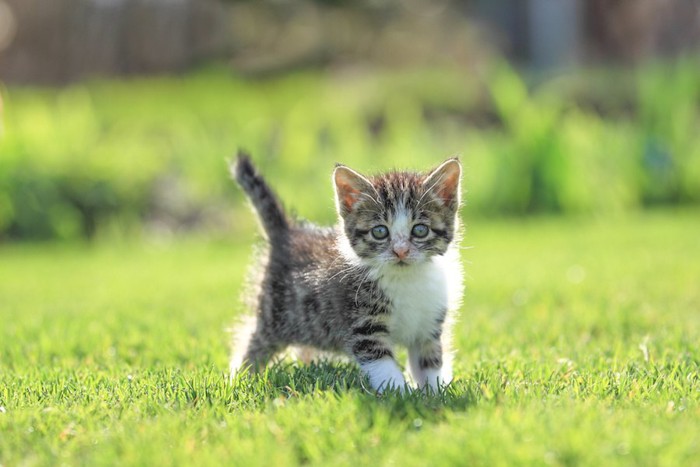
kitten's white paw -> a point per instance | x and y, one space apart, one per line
431 378
384 374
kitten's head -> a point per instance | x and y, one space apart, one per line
399 218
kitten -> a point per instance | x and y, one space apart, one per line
388 273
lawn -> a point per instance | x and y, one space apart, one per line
578 344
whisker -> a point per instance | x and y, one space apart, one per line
362 281
343 270
371 198
439 180
376 212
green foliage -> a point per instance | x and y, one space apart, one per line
562 158
532 171
578 344
668 112
108 156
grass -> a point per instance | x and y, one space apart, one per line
578 345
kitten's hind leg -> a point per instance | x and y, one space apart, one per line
251 348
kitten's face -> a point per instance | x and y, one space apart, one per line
399 218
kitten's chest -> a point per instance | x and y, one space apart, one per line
419 300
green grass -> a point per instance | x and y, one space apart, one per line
579 344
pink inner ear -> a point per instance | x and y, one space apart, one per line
448 189
447 177
348 195
349 187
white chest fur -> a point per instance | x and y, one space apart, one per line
420 295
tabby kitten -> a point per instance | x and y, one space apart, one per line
388 273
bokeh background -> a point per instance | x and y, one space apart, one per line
118 116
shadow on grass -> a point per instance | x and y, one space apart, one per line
294 380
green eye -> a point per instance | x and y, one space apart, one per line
380 232
420 230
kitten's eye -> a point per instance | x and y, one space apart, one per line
380 232
420 230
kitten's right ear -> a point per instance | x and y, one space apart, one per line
349 186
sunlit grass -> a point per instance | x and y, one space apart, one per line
578 344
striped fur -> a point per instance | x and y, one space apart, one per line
344 290
269 209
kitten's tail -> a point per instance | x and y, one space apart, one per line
269 209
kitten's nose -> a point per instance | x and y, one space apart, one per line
401 250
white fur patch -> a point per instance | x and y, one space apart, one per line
419 293
401 226
383 374
431 377
345 247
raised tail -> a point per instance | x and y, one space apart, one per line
269 209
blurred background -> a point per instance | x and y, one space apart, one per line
118 116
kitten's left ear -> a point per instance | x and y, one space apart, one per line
444 181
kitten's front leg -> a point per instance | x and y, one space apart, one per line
425 363
384 373
370 347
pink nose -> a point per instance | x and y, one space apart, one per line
401 251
